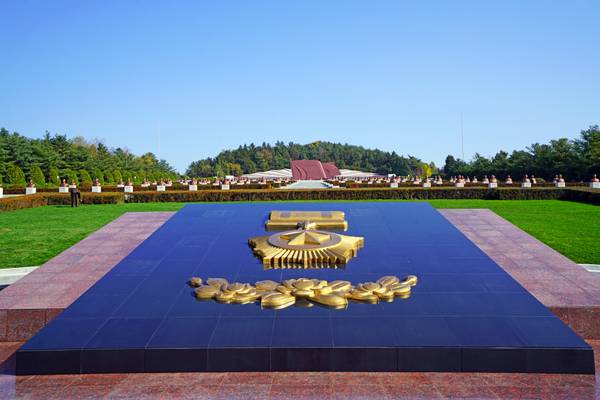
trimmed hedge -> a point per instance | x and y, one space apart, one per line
582 195
54 199
347 194
20 202
42 199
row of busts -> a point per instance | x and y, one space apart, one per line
458 181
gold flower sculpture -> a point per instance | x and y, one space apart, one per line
276 295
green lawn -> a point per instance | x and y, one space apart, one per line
31 237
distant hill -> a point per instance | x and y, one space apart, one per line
251 158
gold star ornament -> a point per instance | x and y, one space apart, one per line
305 249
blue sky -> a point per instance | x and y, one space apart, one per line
186 79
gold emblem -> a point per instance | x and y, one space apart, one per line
308 246
305 249
303 292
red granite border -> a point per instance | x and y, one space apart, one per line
29 304
569 290
296 385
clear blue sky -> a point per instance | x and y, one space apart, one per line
186 79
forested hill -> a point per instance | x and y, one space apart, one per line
251 158
58 156
576 159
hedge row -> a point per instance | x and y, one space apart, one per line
53 199
582 195
347 194
42 199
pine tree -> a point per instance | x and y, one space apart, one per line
71 176
97 174
85 177
37 176
108 177
53 177
117 177
15 176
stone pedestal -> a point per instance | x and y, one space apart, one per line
459 185
224 187
161 188
193 188
394 184
427 184
493 185
560 184
593 185
30 190
128 189
63 189
96 189
526 185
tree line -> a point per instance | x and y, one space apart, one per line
48 160
576 160
55 157
252 158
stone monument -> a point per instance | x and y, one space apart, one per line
96 188
594 183
30 189
129 187
63 188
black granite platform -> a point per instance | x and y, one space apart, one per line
465 314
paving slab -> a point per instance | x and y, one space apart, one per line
29 304
568 289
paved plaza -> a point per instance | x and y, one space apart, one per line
561 285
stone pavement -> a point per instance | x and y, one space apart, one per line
30 303
296 385
569 290
566 288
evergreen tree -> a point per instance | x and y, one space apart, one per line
71 176
117 177
84 177
15 176
37 176
97 174
54 177
108 177
63 153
